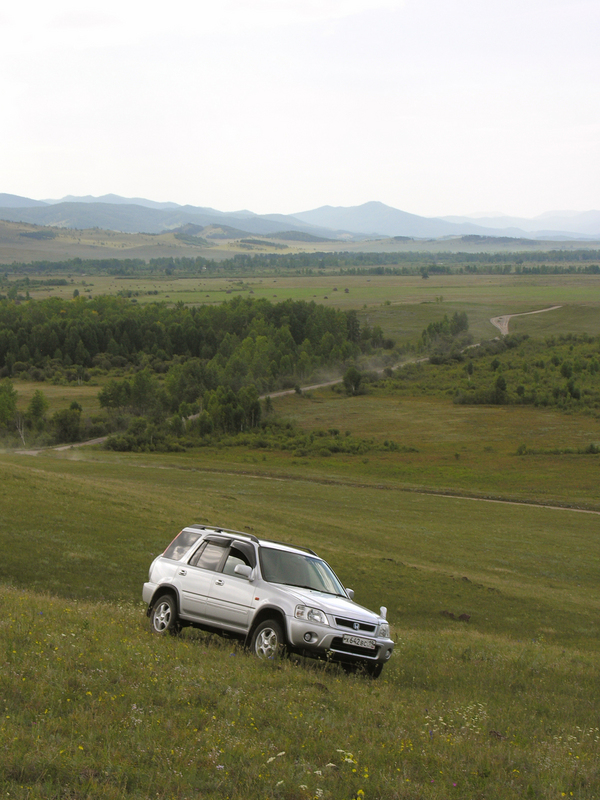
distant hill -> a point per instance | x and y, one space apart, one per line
367 221
15 201
115 199
377 219
565 223
134 218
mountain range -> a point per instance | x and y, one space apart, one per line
367 221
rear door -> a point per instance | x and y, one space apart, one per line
195 578
231 597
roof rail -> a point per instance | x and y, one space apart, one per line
218 529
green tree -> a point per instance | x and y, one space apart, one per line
352 380
67 424
38 406
8 403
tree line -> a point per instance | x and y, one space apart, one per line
346 263
238 343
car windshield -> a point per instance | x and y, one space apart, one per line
297 569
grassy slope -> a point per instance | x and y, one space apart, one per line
530 570
503 706
94 706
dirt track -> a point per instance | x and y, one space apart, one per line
502 322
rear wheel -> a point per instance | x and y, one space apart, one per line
164 615
267 639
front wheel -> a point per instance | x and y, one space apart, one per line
164 615
267 639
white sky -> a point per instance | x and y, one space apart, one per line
431 106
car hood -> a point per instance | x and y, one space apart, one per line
332 604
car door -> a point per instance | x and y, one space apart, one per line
231 596
195 578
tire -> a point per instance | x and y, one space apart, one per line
267 640
164 615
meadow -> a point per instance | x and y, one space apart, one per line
402 305
96 706
453 521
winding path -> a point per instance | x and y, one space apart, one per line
502 322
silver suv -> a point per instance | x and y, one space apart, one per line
271 595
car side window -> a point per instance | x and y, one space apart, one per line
180 545
208 557
234 558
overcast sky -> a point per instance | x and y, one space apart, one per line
431 106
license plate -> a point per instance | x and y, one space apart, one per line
357 641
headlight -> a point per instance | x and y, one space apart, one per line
311 615
384 630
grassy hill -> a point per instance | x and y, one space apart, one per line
452 521
504 704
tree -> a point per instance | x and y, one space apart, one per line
8 403
352 379
67 423
38 405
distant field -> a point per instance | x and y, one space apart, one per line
403 306
60 396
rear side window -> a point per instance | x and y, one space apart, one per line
208 556
180 545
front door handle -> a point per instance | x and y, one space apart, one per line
183 571
220 582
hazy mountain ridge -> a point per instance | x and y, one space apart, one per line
369 220
565 222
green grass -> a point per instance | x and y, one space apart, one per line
402 305
59 396
466 449
504 705
95 706
530 570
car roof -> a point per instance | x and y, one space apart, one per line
250 537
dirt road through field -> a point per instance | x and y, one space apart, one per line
502 322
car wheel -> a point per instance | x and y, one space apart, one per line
267 640
164 615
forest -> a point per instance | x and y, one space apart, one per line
239 343
166 370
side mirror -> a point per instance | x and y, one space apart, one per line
350 593
243 570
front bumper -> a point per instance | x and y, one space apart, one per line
323 641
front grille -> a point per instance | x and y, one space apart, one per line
350 623
340 646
